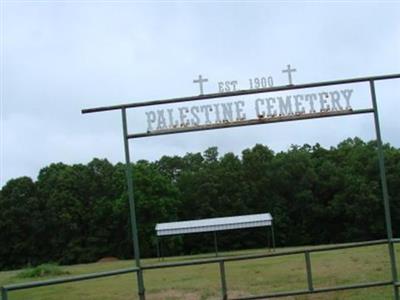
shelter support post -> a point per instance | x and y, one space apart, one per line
215 243
385 194
158 248
161 249
132 209
273 235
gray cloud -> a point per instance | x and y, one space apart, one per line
60 58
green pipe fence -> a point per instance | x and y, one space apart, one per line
221 261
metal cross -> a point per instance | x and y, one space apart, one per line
289 71
200 82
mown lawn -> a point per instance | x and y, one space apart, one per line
251 277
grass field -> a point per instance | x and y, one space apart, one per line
251 277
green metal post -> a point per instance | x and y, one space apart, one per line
385 193
273 235
215 243
132 209
309 272
223 280
4 295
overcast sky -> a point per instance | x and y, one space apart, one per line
60 57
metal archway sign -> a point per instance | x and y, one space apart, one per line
268 110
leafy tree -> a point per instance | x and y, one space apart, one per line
80 213
21 223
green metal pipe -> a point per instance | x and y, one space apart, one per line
28 285
224 289
4 295
309 272
132 209
386 204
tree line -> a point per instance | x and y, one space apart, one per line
80 213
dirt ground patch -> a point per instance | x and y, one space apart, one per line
107 259
173 295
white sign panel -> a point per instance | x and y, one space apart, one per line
263 108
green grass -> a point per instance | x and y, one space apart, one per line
251 277
44 270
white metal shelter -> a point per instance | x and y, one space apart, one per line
214 225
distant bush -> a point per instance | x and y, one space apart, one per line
42 271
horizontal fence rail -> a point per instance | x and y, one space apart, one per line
222 261
319 290
33 284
